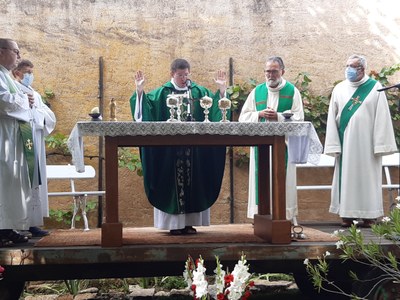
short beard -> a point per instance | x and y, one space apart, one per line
274 83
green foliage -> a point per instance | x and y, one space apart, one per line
48 95
238 94
65 217
393 96
129 158
58 143
315 107
75 285
354 247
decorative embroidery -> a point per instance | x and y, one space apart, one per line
354 101
29 144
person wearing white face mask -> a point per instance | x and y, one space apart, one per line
43 123
359 132
266 103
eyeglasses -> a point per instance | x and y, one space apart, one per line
16 51
182 75
273 72
355 67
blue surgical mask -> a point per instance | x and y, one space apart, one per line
351 74
28 79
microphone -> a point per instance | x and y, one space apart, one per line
389 87
189 116
189 84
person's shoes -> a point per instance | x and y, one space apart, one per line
13 236
26 233
176 231
346 222
37 232
189 230
367 223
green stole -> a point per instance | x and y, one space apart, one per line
348 110
26 134
286 95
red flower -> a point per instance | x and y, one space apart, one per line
251 283
228 279
1 271
220 296
246 295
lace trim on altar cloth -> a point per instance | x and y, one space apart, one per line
311 145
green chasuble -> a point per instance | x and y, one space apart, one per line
180 179
286 95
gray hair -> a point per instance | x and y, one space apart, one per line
5 42
278 60
361 59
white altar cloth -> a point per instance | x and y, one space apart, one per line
301 135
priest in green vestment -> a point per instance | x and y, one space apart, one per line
181 182
266 103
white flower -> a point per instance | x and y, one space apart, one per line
240 277
306 261
199 279
398 198
335 233
386 219
327 253
355 222
219 277
398 205
339 244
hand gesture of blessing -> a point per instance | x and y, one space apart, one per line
220 80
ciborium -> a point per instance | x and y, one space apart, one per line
206 102
224 104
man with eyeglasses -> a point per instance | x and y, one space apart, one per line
359 132
16 149
266 103
180 182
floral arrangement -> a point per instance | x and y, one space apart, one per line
227 286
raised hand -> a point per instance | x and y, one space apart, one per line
220 80
139 81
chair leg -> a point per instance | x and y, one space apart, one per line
83 208
76 208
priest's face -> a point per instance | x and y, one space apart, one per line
273 73
9 55
180 76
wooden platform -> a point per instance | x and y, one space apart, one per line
30 262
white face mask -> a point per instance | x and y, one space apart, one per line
28 79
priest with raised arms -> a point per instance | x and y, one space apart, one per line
181 182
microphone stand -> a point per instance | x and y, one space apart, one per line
189 116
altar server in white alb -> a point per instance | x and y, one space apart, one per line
359 132
43 123
266 103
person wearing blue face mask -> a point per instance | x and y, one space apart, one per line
359 132
43 124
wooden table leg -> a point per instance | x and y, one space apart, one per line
111 230
273 228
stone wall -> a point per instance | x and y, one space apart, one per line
66 38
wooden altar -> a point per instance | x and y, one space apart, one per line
270 223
